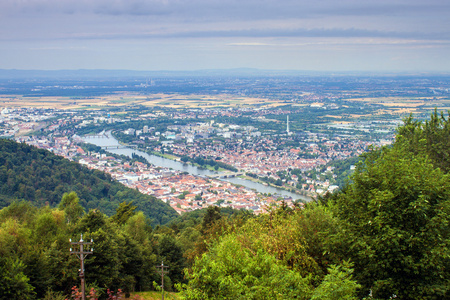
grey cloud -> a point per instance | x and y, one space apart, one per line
388 8
229 9
145 19
279 33
133 7
101 7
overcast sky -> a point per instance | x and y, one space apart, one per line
322 35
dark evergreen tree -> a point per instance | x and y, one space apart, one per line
212 215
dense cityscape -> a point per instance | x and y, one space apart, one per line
287 135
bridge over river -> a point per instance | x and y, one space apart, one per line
111 147
106 137
100 135
226 175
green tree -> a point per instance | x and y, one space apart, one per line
230 271
395 218
138 227
16 250
280 255
142 257
431 137
338 284
171 253
34 256
22 211
123 212
104 265
14 283
316 225
212 215
70 204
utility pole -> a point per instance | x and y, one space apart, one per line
81 254
162 271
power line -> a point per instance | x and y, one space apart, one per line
162 272
81 254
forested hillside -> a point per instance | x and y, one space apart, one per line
39 176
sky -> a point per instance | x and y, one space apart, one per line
310 35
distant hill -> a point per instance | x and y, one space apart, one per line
95 74
41 177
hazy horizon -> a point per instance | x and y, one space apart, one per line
118 73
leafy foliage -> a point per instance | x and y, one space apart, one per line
231 271
395 221
35 260
337 285
70 204
15 284
272 256
431 138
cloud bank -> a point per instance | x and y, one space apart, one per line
122 27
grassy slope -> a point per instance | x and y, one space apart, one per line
155 296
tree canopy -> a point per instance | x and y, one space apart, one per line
395 214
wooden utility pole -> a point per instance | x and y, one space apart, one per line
81 254
162 271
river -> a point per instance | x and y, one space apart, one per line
111 142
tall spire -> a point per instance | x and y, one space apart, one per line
287 126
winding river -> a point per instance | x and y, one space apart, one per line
113 145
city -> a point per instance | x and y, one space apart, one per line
290 145
260 158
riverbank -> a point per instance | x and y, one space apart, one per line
291 189
174 163
168 156
178 159
244 177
